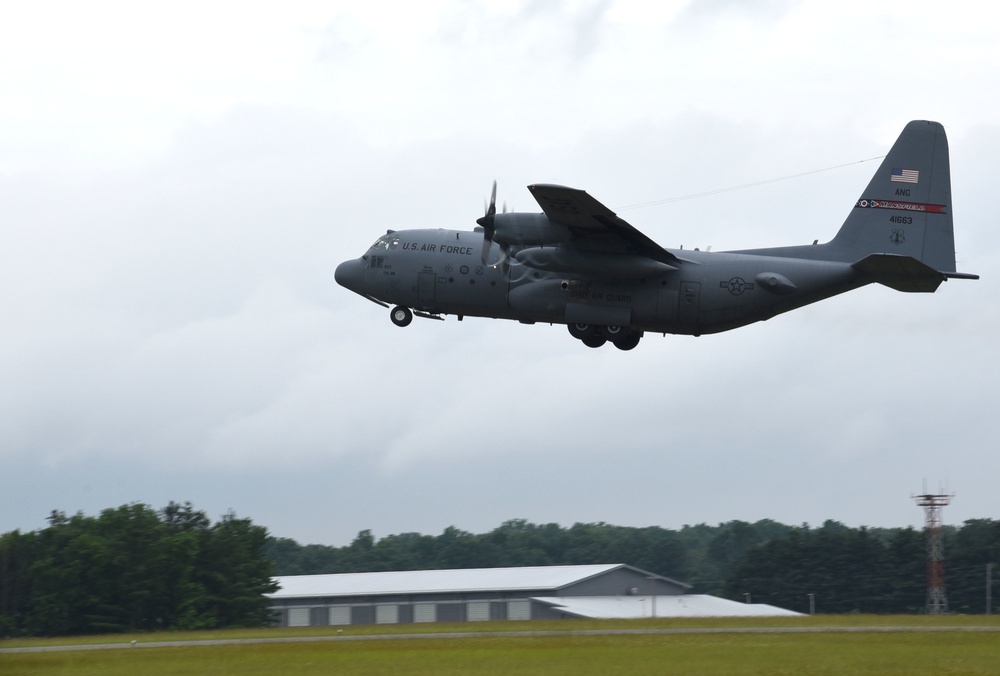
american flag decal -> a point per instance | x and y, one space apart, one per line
905 175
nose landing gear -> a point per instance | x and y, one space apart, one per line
401 316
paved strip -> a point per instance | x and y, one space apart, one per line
488 634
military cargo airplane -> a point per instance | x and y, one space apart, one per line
579 264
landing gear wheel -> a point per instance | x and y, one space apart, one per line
581 331
594 341
401 316
614 333
628 342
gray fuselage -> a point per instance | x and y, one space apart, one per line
440 272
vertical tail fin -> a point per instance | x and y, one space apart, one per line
906 208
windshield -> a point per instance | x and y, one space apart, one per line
387 241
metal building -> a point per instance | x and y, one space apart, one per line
479 594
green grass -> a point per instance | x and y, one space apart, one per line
534 625
910 653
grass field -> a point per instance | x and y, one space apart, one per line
924 650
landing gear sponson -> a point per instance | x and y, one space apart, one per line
592 336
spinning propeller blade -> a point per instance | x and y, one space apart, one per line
487 221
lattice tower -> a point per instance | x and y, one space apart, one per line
937 600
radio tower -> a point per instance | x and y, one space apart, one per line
937 601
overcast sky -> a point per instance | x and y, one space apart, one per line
178 183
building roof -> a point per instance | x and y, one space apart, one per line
465 580
635 607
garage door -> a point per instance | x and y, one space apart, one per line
298 617
340 615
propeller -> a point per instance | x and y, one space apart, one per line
488 223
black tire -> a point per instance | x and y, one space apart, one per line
401 316
580 331
628 342
594 341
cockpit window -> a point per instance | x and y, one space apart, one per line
386 242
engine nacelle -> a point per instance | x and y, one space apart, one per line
528 230
592 264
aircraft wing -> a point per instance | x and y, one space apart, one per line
594 226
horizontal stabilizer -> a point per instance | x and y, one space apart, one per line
902 273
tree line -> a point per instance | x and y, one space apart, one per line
134 568
863 570
870 570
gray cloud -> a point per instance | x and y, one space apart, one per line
172 331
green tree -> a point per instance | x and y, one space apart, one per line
17 552
907 584
460 549
968 552
134 568
848 570
234 575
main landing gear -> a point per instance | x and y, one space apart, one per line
622 337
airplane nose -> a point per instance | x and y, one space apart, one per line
351 275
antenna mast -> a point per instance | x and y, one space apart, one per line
937 601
